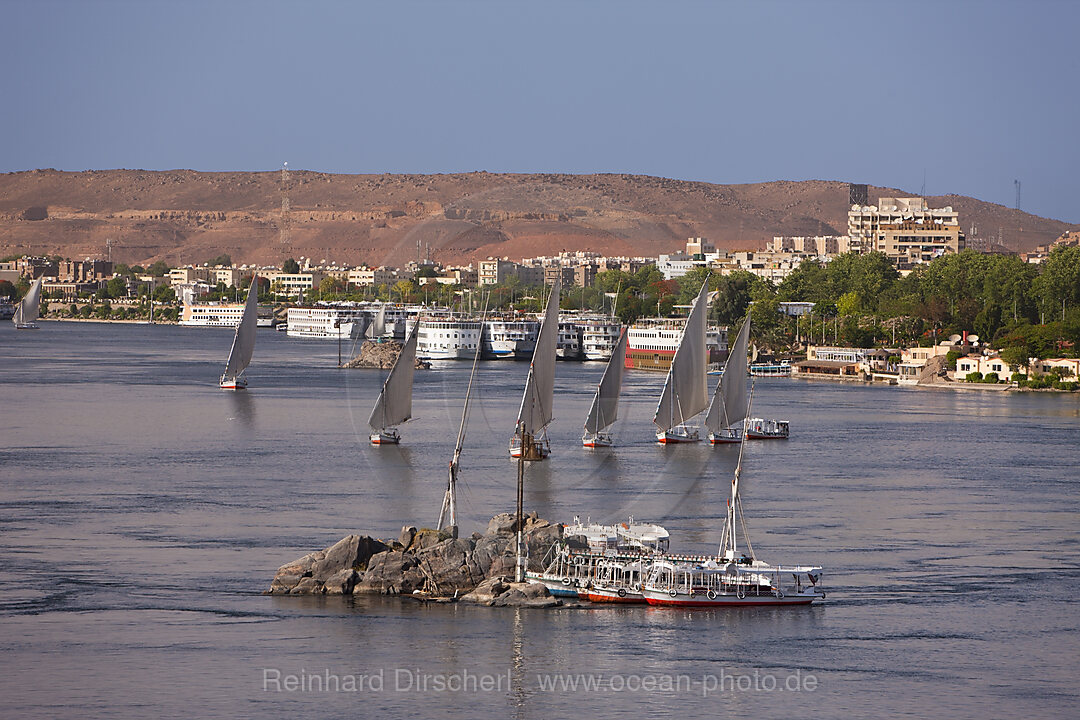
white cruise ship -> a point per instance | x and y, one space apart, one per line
446 338
327 321
349 319
568 343
222 315
510 337
651 343
599 335
502 338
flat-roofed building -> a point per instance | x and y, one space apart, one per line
906 230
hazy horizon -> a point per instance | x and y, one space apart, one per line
935 98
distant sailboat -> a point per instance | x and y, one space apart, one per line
377 328
394 405
729 401
243 342
26 314
685 392
605 404
536 411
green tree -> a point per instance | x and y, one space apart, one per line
164 294
117 287
223 260
733 296
1058 284
290 267
159 269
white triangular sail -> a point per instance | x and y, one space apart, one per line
394 405
605 405
27 311
728 405
378 326
686 388
536 411
244 339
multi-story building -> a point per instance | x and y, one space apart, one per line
230 276
562 274
188 275
494 271
905 229
366 277
289 283
821 246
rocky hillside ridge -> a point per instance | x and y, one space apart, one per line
433 562
183 216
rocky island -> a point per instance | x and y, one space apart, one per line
433 564
381 355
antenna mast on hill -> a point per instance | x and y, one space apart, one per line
1017 184
285 233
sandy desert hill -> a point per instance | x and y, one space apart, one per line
183 216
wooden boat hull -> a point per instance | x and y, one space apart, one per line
383 438
235 384
725 439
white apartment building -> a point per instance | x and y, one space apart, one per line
905 229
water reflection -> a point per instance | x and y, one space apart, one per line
243 407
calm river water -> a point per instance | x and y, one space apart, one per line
142 510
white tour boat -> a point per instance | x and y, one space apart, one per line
733 578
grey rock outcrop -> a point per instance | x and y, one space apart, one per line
327 571
433 561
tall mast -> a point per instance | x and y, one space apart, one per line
448 513
519 569
728 542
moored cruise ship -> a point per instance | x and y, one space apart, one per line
509 338
568 343
651 343
326 321
599 336
343 320
222 315
441 337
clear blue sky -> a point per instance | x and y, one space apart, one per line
971 94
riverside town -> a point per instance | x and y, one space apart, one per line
904 298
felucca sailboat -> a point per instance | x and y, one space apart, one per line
243 341
685 392
605 405
728 407
530 440
26 313
394 404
